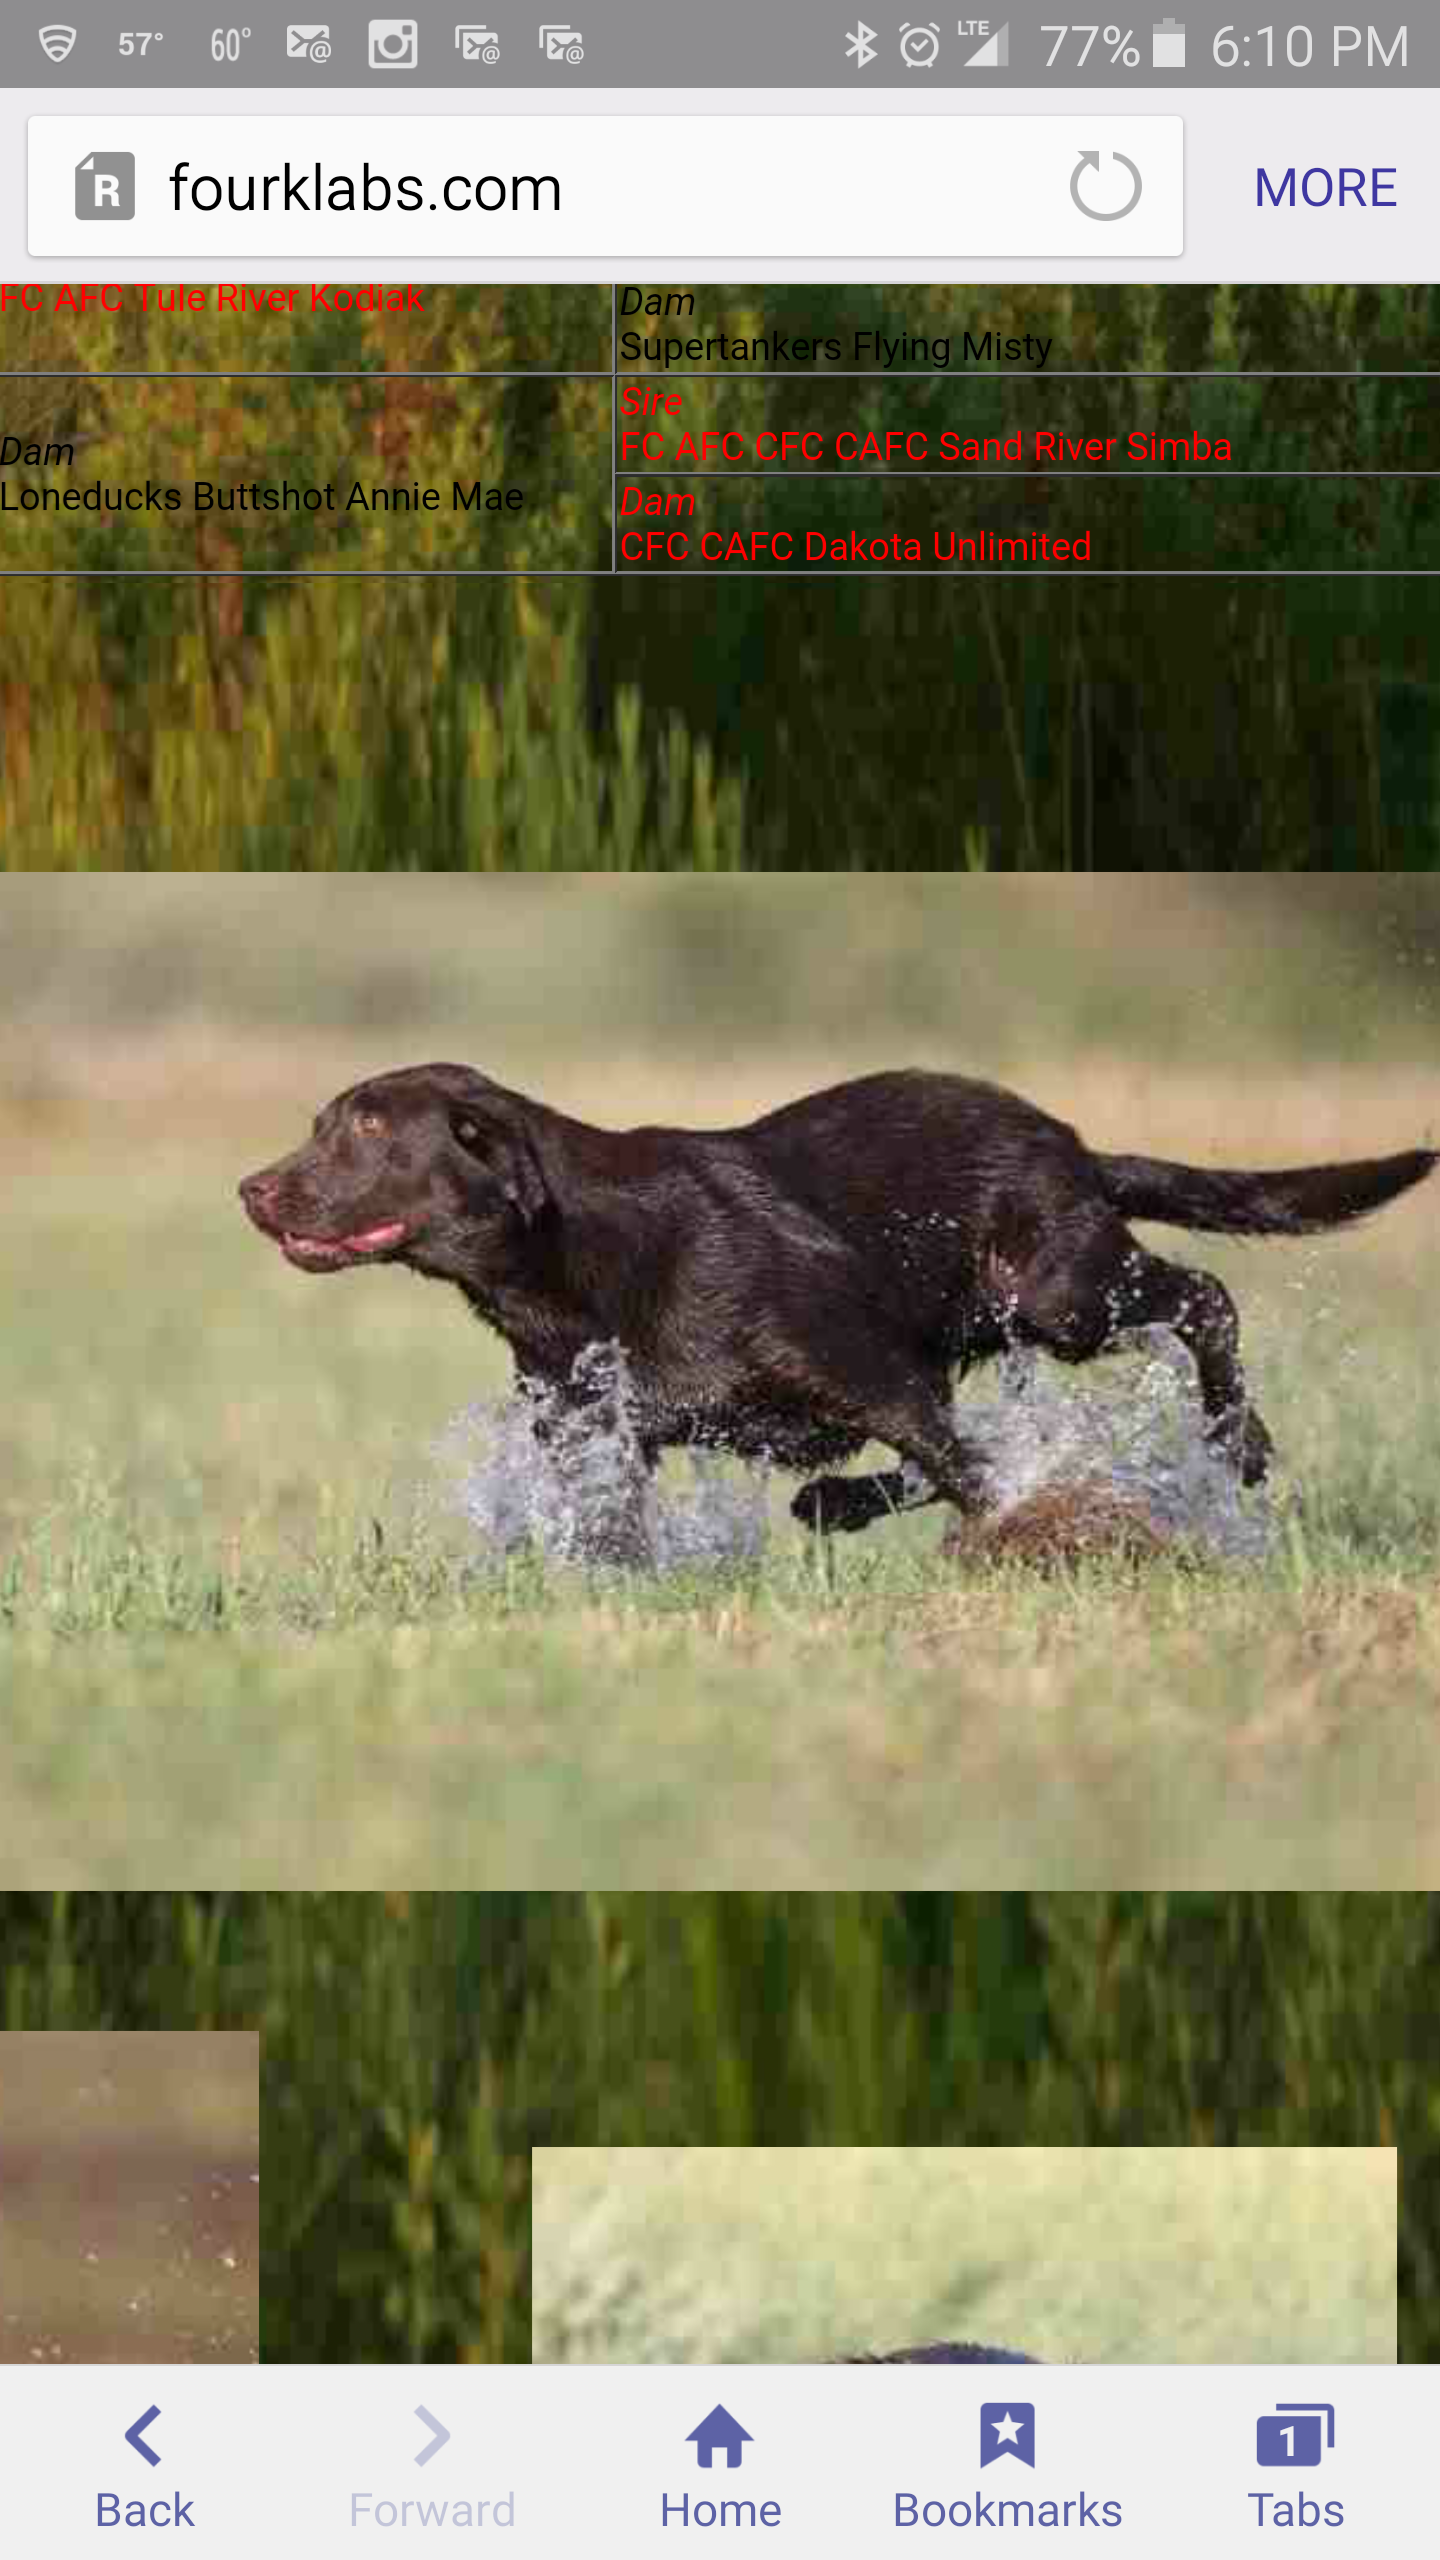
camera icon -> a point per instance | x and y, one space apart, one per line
394 44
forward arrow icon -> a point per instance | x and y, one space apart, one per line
440 2434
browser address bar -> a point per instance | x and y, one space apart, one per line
606 187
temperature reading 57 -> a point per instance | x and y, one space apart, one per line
1119 43
225 42
141 43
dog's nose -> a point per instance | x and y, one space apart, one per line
259 1190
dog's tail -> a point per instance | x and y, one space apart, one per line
1300 1202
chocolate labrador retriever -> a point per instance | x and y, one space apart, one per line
794 1289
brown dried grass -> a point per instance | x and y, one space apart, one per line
1062 1526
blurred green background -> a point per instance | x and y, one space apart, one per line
875 723
1218 2256
604 977
417 2048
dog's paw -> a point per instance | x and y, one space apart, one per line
1257 1451
1241 1438
830 1503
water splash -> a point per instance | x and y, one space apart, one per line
1138 1432
529 1473
561 1476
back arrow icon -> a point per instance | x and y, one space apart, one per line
134 2434
440 2434
1091 160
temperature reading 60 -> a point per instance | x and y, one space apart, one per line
1119 43
225 42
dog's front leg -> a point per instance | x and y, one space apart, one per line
907 1412
599 1468
833 1503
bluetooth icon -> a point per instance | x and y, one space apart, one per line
861 46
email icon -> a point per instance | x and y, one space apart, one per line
307 44
477 44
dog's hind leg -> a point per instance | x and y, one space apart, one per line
1076 1306
1200 1312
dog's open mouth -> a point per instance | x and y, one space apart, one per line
332 1253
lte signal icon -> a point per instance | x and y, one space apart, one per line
105 187
994 53
861 45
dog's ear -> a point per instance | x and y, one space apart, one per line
506 1147
523 1180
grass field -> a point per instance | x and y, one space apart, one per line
244 1633
1105 2257
241 1636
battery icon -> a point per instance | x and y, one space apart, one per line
1167 45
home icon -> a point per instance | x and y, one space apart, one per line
719 2429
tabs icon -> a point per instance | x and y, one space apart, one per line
1294 2436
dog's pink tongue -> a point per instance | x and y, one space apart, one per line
370 1240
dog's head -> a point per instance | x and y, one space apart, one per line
432 1166
944 2353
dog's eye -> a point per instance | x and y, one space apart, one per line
467 1131
369 1124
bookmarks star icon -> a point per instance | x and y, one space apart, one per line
1007 2426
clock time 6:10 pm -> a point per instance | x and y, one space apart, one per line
1359 47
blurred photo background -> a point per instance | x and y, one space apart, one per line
129 2197
646 2055
1238 2069
1204 2256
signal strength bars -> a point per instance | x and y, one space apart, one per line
993 54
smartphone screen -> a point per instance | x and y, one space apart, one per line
757 688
